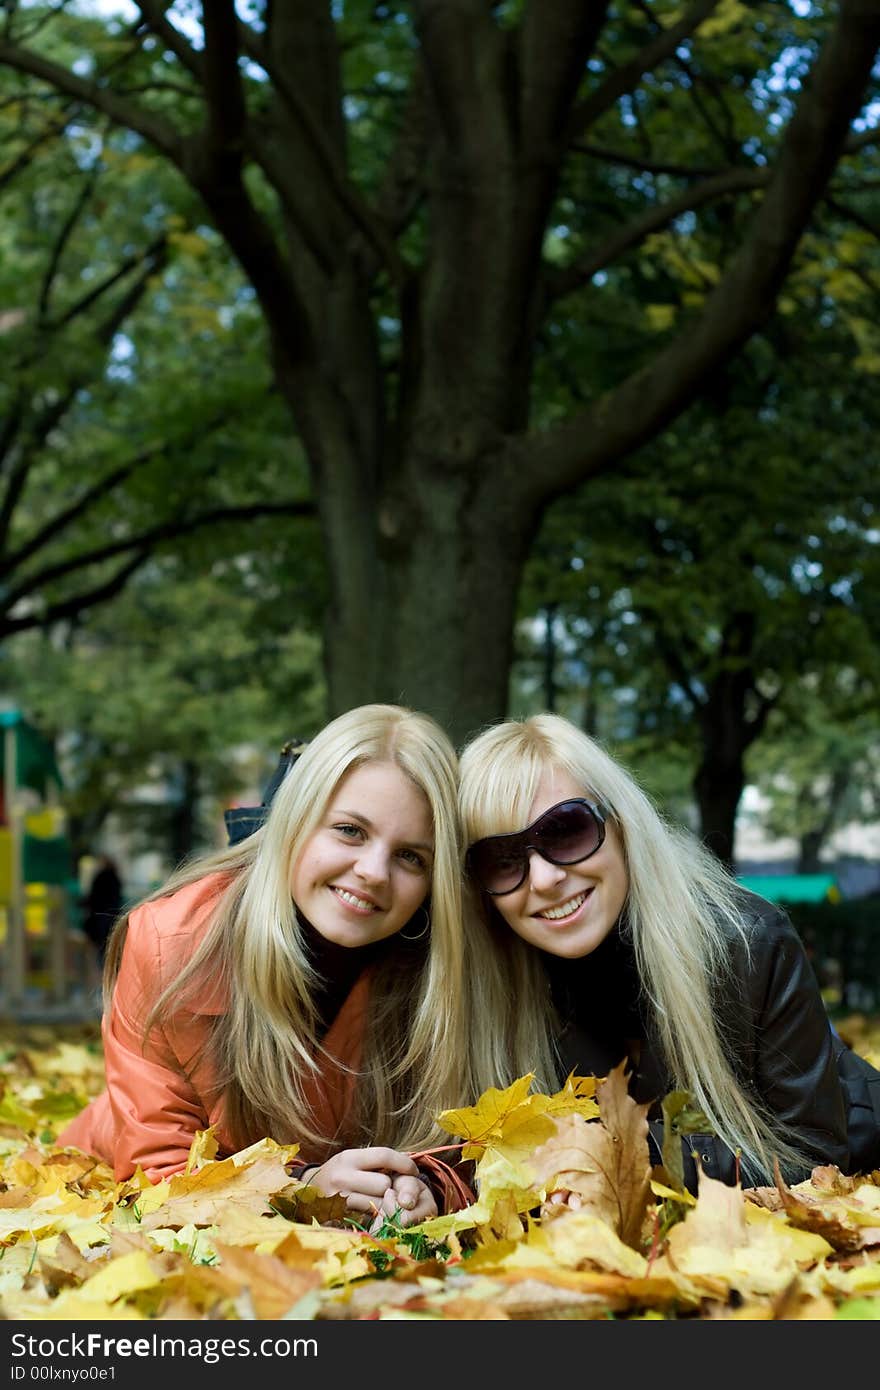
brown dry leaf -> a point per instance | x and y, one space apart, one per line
299 1202
64 1222
370 1299
504 1221
472 1310
16 1197
752 1250
66 1267
717 1221
274 1285
828 1217
606 1164
577 1239
202 1290
613 1292
531 1298
122 1242
830 1179
766 1197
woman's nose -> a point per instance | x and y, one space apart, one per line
372 864
542 874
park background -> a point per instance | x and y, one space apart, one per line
485 356
481 357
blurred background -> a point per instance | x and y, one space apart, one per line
485 358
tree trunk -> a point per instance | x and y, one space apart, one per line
813 840
184 815
438 592
551 689
809 849
718 787
732 715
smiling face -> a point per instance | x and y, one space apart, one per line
569 909
367 867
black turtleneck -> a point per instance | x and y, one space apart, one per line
597 998
338 968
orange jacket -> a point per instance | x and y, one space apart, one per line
160 1093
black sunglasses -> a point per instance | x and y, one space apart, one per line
565 834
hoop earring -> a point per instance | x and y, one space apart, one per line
417 936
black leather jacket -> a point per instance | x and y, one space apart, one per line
776 1033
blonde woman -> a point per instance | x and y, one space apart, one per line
613 935
305 983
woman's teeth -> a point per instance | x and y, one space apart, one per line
565 909
360 903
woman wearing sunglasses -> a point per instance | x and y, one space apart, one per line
612 935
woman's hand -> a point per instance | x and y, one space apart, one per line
378 1182
410 1199
563 1197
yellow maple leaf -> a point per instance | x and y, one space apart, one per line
481 1122
202 1149
512 1121
126 1274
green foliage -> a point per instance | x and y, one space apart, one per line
818 767
417 1245
133 375
207 673
754 518
739 540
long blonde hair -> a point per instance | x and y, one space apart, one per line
265 1048
682 909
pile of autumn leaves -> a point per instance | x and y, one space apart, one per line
239 1238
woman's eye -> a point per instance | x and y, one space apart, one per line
411 857
349 831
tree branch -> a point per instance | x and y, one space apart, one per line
556 39
59 405
544 465
570 278
627 77
153 16
66 231
69 608
172 529
223 90
645 166
152 257
152 127
26 156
